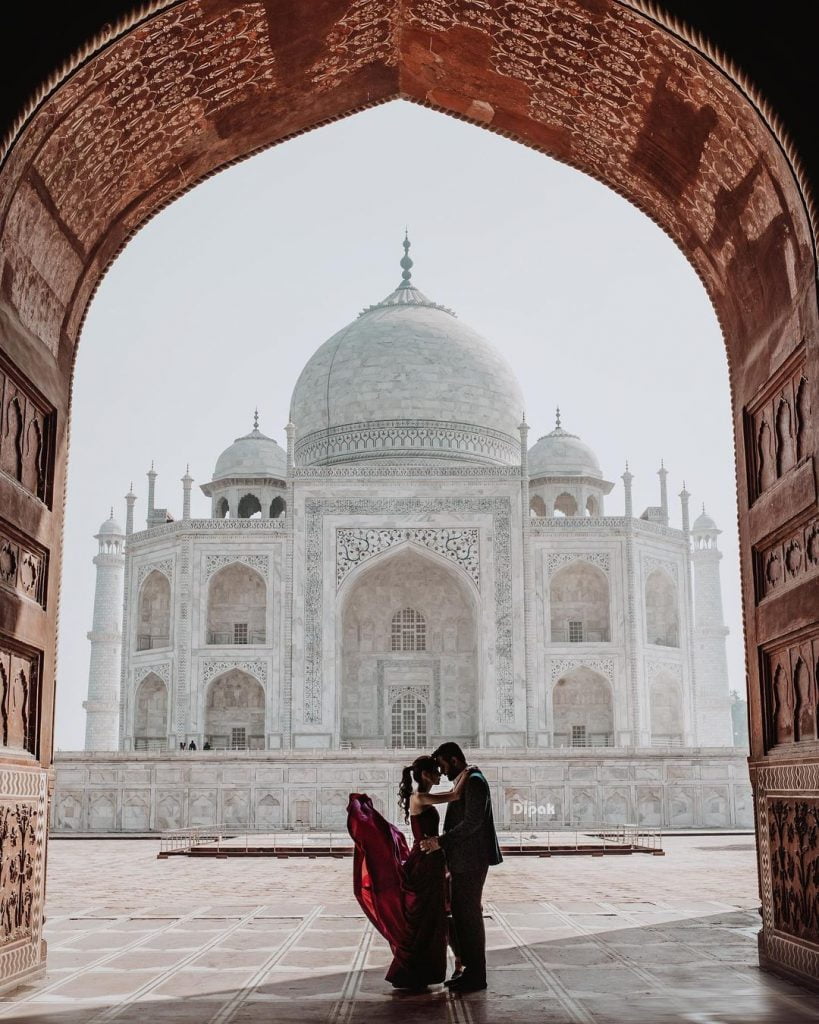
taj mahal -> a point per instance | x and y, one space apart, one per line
410 568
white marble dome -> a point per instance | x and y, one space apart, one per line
562 454
405 381
251 456
111 528
705 524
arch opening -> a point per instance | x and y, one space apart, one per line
151 714
235 712
154 614
579 600
743 222
408 653
237 606
583 710
662 610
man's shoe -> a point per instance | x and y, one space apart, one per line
456 976
467 984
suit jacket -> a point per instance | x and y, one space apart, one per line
469 836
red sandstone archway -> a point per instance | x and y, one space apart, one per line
595 83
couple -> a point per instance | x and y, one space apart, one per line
405 892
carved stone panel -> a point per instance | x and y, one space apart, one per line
459 546
22 849
19 698
793 837
22 565
776 426
788 561
26 434
789 679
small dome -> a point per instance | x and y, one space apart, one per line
562 454
705 524
253 455
111 528
407 380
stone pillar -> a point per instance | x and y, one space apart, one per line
130 501
662 473
286 704
632 638
187 480
528 591
691 738
151 495
102 704
714 727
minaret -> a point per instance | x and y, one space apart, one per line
528 588
151 496
130 501
187 481
714 727
102 705
640 734
662 473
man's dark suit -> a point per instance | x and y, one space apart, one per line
471 846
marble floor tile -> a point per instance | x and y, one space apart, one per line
569 942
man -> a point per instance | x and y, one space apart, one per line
471 846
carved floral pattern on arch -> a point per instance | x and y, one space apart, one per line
619 89
556 560
163 83
261 563
364 35
460 546
793 837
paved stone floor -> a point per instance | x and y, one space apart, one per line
571 939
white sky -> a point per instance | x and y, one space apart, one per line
217 304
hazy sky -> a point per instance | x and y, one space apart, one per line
217 304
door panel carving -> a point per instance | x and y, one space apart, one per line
22 857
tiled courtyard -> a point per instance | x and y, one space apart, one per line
572 939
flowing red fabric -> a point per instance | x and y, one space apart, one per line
378 876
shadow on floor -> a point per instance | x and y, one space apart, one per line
700 970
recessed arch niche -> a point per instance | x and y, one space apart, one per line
408 645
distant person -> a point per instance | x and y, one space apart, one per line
192 745
182 745
206 746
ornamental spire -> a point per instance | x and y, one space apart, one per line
256 418
557 419
406 262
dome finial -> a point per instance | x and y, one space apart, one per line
112 513
406 262
256 418
557 419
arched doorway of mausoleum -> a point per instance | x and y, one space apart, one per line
409 664
151 713
235 712
583 709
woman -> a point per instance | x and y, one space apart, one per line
402 891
